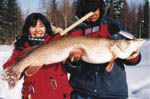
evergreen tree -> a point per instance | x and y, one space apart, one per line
10 21
140 21
19 23
2 9
146 32
11 18
115 7
2 20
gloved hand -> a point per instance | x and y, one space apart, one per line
133 55
56 29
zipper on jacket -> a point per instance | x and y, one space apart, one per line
31 90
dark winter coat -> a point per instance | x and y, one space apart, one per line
92 79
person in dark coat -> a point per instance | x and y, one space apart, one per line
92 81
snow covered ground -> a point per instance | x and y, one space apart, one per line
138 77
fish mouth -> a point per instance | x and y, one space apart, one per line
139 42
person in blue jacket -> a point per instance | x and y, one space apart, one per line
92 81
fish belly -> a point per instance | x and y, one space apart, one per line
97 56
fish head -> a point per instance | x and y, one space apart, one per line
124 48
136 43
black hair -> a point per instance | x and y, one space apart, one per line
31 20
83 6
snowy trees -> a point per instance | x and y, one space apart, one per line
146 30
135 17
10 20
61 12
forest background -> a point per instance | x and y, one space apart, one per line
60 13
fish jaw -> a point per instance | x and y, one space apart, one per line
137 43
125 50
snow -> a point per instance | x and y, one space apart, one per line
5 92
138 77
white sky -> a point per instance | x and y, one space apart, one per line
33 5
29 5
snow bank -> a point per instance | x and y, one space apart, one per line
5 92
138 77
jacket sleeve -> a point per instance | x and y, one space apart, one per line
71 67
13 59
133 59
28 88
114 28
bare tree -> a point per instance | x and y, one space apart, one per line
60 13
52 12
66 12
131 18
43 6
73 7
140 21
124 13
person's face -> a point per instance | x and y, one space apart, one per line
94 17
38 30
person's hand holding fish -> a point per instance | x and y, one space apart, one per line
76 55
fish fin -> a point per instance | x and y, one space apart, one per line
27 51
12 75
32 70
111 64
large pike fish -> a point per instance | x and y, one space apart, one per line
95 50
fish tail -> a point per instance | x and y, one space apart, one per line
11 76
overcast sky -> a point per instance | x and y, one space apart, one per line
33 5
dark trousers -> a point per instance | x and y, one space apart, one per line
75 95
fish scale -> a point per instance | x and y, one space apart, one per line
96 51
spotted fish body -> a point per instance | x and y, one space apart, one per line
96 51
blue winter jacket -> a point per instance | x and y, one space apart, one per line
92 78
